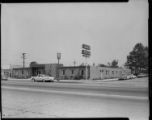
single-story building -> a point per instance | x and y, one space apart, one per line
69 72
6 73
73 72
93 72
48 69
21 72
107 72
35 69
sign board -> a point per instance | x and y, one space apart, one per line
84 46
86 52
85 55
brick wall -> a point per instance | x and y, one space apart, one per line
107 73
18 73
72 73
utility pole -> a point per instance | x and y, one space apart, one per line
10 70
74 62
58 57
23 56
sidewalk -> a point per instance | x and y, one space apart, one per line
87 81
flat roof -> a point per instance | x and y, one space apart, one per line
72 67
21 68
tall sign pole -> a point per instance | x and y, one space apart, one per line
58 57
23 56
74 62
86 53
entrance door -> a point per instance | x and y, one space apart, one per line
101 75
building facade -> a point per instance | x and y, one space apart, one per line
48 69
107 72
73 72
21 72
93 72
6 73
35 69
69 72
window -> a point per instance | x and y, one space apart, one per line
112 72
63 72
82 72
72 71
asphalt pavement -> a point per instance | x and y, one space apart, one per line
96 99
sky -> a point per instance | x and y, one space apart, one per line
43 29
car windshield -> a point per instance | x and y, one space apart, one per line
42 75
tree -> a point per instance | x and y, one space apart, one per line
137 60
114 63
109 64
102 65
82 64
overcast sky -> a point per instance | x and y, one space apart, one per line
42 30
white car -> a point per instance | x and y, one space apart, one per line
132 76
123 77
42 78
126 77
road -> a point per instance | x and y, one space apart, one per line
37 99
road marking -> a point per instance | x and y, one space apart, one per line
77 93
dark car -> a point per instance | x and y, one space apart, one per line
142 75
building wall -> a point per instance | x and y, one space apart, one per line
5 73
126 71
107 73
18 73
110 72
72 72
51 69
34 69
94 73
47 69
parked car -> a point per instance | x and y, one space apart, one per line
126 77
132 76
142 75
42 78
3 77
123 77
